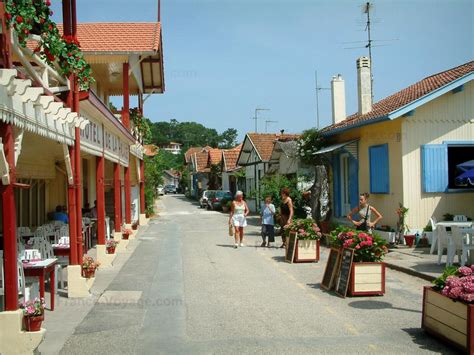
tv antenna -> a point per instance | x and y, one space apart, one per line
257 110
318 89
367 8
266 124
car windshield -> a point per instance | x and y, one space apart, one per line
224 194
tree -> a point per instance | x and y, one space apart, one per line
228 138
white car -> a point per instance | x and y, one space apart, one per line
204 198
161 191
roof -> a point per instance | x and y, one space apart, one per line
200 160
215 156
150 150
121 37
230 157
390 104
190 152
263 142
173 173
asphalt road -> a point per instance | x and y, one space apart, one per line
186 290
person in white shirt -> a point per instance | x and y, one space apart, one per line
268 222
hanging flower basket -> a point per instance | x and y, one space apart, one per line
88 267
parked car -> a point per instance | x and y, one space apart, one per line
205 197
160 190
216 200
170 189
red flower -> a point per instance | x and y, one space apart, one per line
50 27
42 20
26 31
9 16
19 19
48 3
37 49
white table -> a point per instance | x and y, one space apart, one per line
454 224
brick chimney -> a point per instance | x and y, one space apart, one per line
338 99
364 85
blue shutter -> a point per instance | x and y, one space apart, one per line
353 181
379 169
336 175
434 160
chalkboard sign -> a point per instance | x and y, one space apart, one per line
332 267
344 274
290 250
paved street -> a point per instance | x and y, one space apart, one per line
186 290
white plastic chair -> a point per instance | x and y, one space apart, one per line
444 242
460 218
464 242
434 240
456 241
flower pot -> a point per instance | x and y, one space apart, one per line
125 236
367 279
449 320
410 240
110 250
88 273
33 323
307 251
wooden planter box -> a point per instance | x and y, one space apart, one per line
452 321
307 251
367 279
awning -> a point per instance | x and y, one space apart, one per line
334 147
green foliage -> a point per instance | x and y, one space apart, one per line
310 142
440 282
228 138
141 125
428 228
448 217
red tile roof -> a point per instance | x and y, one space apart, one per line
119 36
230 157
264 142
150 150
201 159
405 96
190 152
215 156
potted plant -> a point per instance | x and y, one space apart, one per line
448 307
428 233
111 245
126 232
368 270
89 266
135 225
402 227
33 314
308 242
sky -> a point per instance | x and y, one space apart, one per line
225 58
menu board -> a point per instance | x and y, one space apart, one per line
332 267
344 274
290 251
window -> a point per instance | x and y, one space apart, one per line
379 170
31 203
447 166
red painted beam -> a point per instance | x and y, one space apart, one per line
128 203
5 43
71 192
77 176
100 191
142 187
117 198
9 222
126 96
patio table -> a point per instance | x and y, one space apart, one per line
455 224
61 249
39 269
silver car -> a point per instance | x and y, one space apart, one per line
160 190
205 197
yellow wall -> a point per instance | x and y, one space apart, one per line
381 133
447 118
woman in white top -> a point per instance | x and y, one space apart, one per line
237 218
364 210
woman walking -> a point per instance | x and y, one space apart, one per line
237 218
286 213
364 210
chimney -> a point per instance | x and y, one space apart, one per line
338 99
364 85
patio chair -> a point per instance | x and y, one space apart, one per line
445 242
460 218
434 240
464 241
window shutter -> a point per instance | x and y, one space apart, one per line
379 169
434 160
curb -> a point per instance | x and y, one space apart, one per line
410 272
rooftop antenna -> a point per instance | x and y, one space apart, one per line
257 110
318 89
159 10
369 44
266 124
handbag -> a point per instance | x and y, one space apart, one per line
363 225
231 230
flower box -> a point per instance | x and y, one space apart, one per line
33 323
88 273
307 251
450 320
367 279
110 250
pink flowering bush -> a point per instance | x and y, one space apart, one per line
33 308
457 283
306 229
367 248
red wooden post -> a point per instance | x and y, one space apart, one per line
100 200
9 222
142 187
128 203
117 199
71 192
77 175
5 42
126 97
